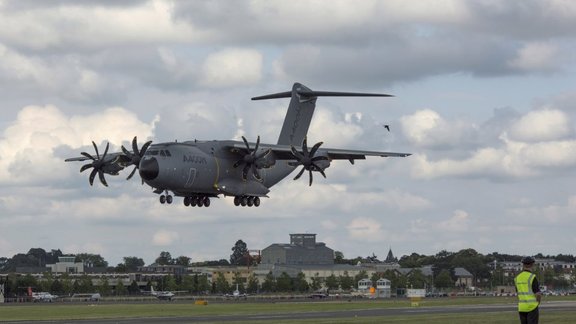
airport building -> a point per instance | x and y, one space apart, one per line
302 250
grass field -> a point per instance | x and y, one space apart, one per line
66 311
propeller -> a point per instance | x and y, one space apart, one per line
136 155
250 159
307 160
98 163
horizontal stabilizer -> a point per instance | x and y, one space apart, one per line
311 93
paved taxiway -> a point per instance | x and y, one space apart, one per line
555 306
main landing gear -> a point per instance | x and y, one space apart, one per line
200 201
247 201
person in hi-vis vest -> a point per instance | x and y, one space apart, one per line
529 294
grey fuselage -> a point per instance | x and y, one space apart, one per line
206 167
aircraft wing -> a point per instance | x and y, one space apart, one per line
115 157
284 152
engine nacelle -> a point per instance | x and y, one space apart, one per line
322 164
266 161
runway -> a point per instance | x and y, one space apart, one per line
555 306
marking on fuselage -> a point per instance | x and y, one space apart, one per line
196 159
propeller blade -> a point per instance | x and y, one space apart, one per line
85 167
255 173
96 148
135 147
246 143
310 173
145 148
101 176
315 148
106 150
88 155
299 174
304 146
132 173
126 151
245 172
92 176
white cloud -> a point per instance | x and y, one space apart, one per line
459 222
534 144
541 125
365 229
536 57
165 238
27 145
232 67
426 128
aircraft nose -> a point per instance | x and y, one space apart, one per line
149 169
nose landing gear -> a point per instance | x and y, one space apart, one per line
166 199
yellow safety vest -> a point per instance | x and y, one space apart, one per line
527 301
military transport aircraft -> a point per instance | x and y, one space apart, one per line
200 170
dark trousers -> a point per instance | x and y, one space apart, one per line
529 317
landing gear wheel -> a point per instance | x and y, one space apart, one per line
206 201
186 201
236 201
250 201
169 199
200 202
256 201
162 199
243 201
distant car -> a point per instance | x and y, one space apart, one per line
318 295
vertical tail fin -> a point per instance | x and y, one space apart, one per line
301 110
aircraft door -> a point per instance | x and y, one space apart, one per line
190 178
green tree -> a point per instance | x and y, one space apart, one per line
444 279
238 280
104 288
284 283
346 282
338 257
316 282
120 289
133 289
417 279
361 275
239 254
85 284
183 261
132 263
222 285
269 284
332 282
169 283
252 286
57 287
164 259
91 260
202 284
189 283
300 283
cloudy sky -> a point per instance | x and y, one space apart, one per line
484 91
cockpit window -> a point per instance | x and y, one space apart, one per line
151 152
162 153
168 153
